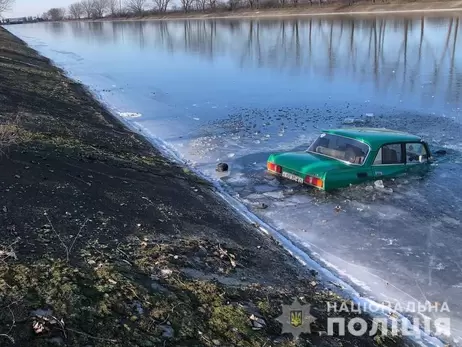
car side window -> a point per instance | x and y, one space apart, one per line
416 153
389 154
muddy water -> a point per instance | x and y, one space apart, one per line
235 91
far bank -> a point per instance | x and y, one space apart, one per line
392 8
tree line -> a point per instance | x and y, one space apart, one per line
94 9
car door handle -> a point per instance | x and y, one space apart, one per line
361 174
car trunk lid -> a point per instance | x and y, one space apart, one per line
302 163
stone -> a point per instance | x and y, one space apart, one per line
167 330
222 167
441 152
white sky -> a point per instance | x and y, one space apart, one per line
25 8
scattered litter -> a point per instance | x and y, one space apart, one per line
257 322
379 184
166 272
225 253
38 327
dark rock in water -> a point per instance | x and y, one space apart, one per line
441 152
222 167
261 206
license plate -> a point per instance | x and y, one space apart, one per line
292 177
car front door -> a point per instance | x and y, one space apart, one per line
416 157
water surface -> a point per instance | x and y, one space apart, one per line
235 91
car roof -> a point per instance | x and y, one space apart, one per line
375 137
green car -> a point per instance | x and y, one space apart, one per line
343 157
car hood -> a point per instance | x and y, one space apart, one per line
304 162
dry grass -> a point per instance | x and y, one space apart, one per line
9 135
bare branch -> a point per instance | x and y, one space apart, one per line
100 7
161 5
75 238
136 6
87 6
187 5
76 10
5 5
68 249
7 335
114 7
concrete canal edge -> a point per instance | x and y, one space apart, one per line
107 242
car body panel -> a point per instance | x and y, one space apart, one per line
337 173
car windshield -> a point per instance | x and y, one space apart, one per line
341 148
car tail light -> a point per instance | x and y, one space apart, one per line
314 181
273 167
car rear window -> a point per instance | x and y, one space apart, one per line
341 148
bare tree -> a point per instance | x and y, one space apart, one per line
5 5
100 7
76 10
87 6
56 14
114 7
136 6
161 5
233 4
201 5
255 3
187 5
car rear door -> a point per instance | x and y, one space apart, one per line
389 161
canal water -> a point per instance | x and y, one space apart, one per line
237 90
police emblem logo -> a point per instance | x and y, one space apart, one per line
296 318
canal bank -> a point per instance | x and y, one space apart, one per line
359 8
106 242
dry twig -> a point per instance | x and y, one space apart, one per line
7 335
67 248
